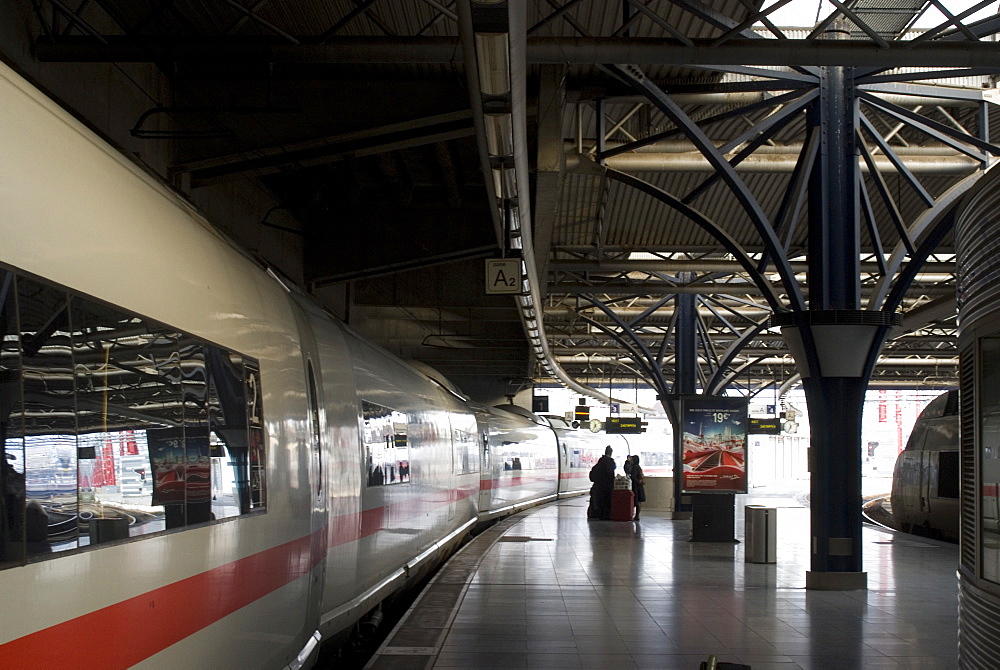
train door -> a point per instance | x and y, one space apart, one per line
486 468
312 454
926 470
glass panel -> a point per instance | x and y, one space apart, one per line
225 497
387 451
314 429
988 388
237 431
949 473
198 468
114 426
12 500
50 446
128 399
465 439
255 420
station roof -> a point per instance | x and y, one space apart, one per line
378 151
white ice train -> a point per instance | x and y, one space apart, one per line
925 481
200 467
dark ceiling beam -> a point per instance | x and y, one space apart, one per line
752 352
705 265
406 266
370 141
663 288
916 345
540 50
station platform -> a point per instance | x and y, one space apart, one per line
547 588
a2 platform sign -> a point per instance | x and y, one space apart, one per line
503 275
713 444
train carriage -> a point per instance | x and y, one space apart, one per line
198 462
925 482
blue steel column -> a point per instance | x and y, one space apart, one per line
835 397
685 339
685 353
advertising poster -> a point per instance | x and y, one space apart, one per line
713 444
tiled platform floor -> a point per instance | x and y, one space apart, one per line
557 591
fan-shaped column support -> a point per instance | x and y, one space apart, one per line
834 352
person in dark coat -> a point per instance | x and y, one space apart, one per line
638 485
603 476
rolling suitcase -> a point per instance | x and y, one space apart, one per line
622 505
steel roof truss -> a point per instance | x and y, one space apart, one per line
706 343
796 195
661 353
709 226
724 116
896 161
869 215
71 16
707 301
927 246
901 83
639 353
261 21
936 130
953 21
752 19
546 20
637 321
736 185
359 9
757 135
778 75
886 194
658 20
772 122
576 25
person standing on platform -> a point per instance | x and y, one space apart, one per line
638 485
603 476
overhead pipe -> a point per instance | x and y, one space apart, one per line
740 98
791 148
775 360
673 265
769 163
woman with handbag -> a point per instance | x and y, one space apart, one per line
638 485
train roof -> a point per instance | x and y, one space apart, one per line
945 404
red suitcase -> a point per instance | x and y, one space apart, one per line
622 505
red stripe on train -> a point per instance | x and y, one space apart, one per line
123 634
155 620
516 480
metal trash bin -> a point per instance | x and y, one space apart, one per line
761 533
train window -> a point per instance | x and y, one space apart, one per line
387 450
12 476
948 474
116 426
314 427
988 389
51 452
465 443
236 433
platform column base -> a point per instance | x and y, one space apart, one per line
837 581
